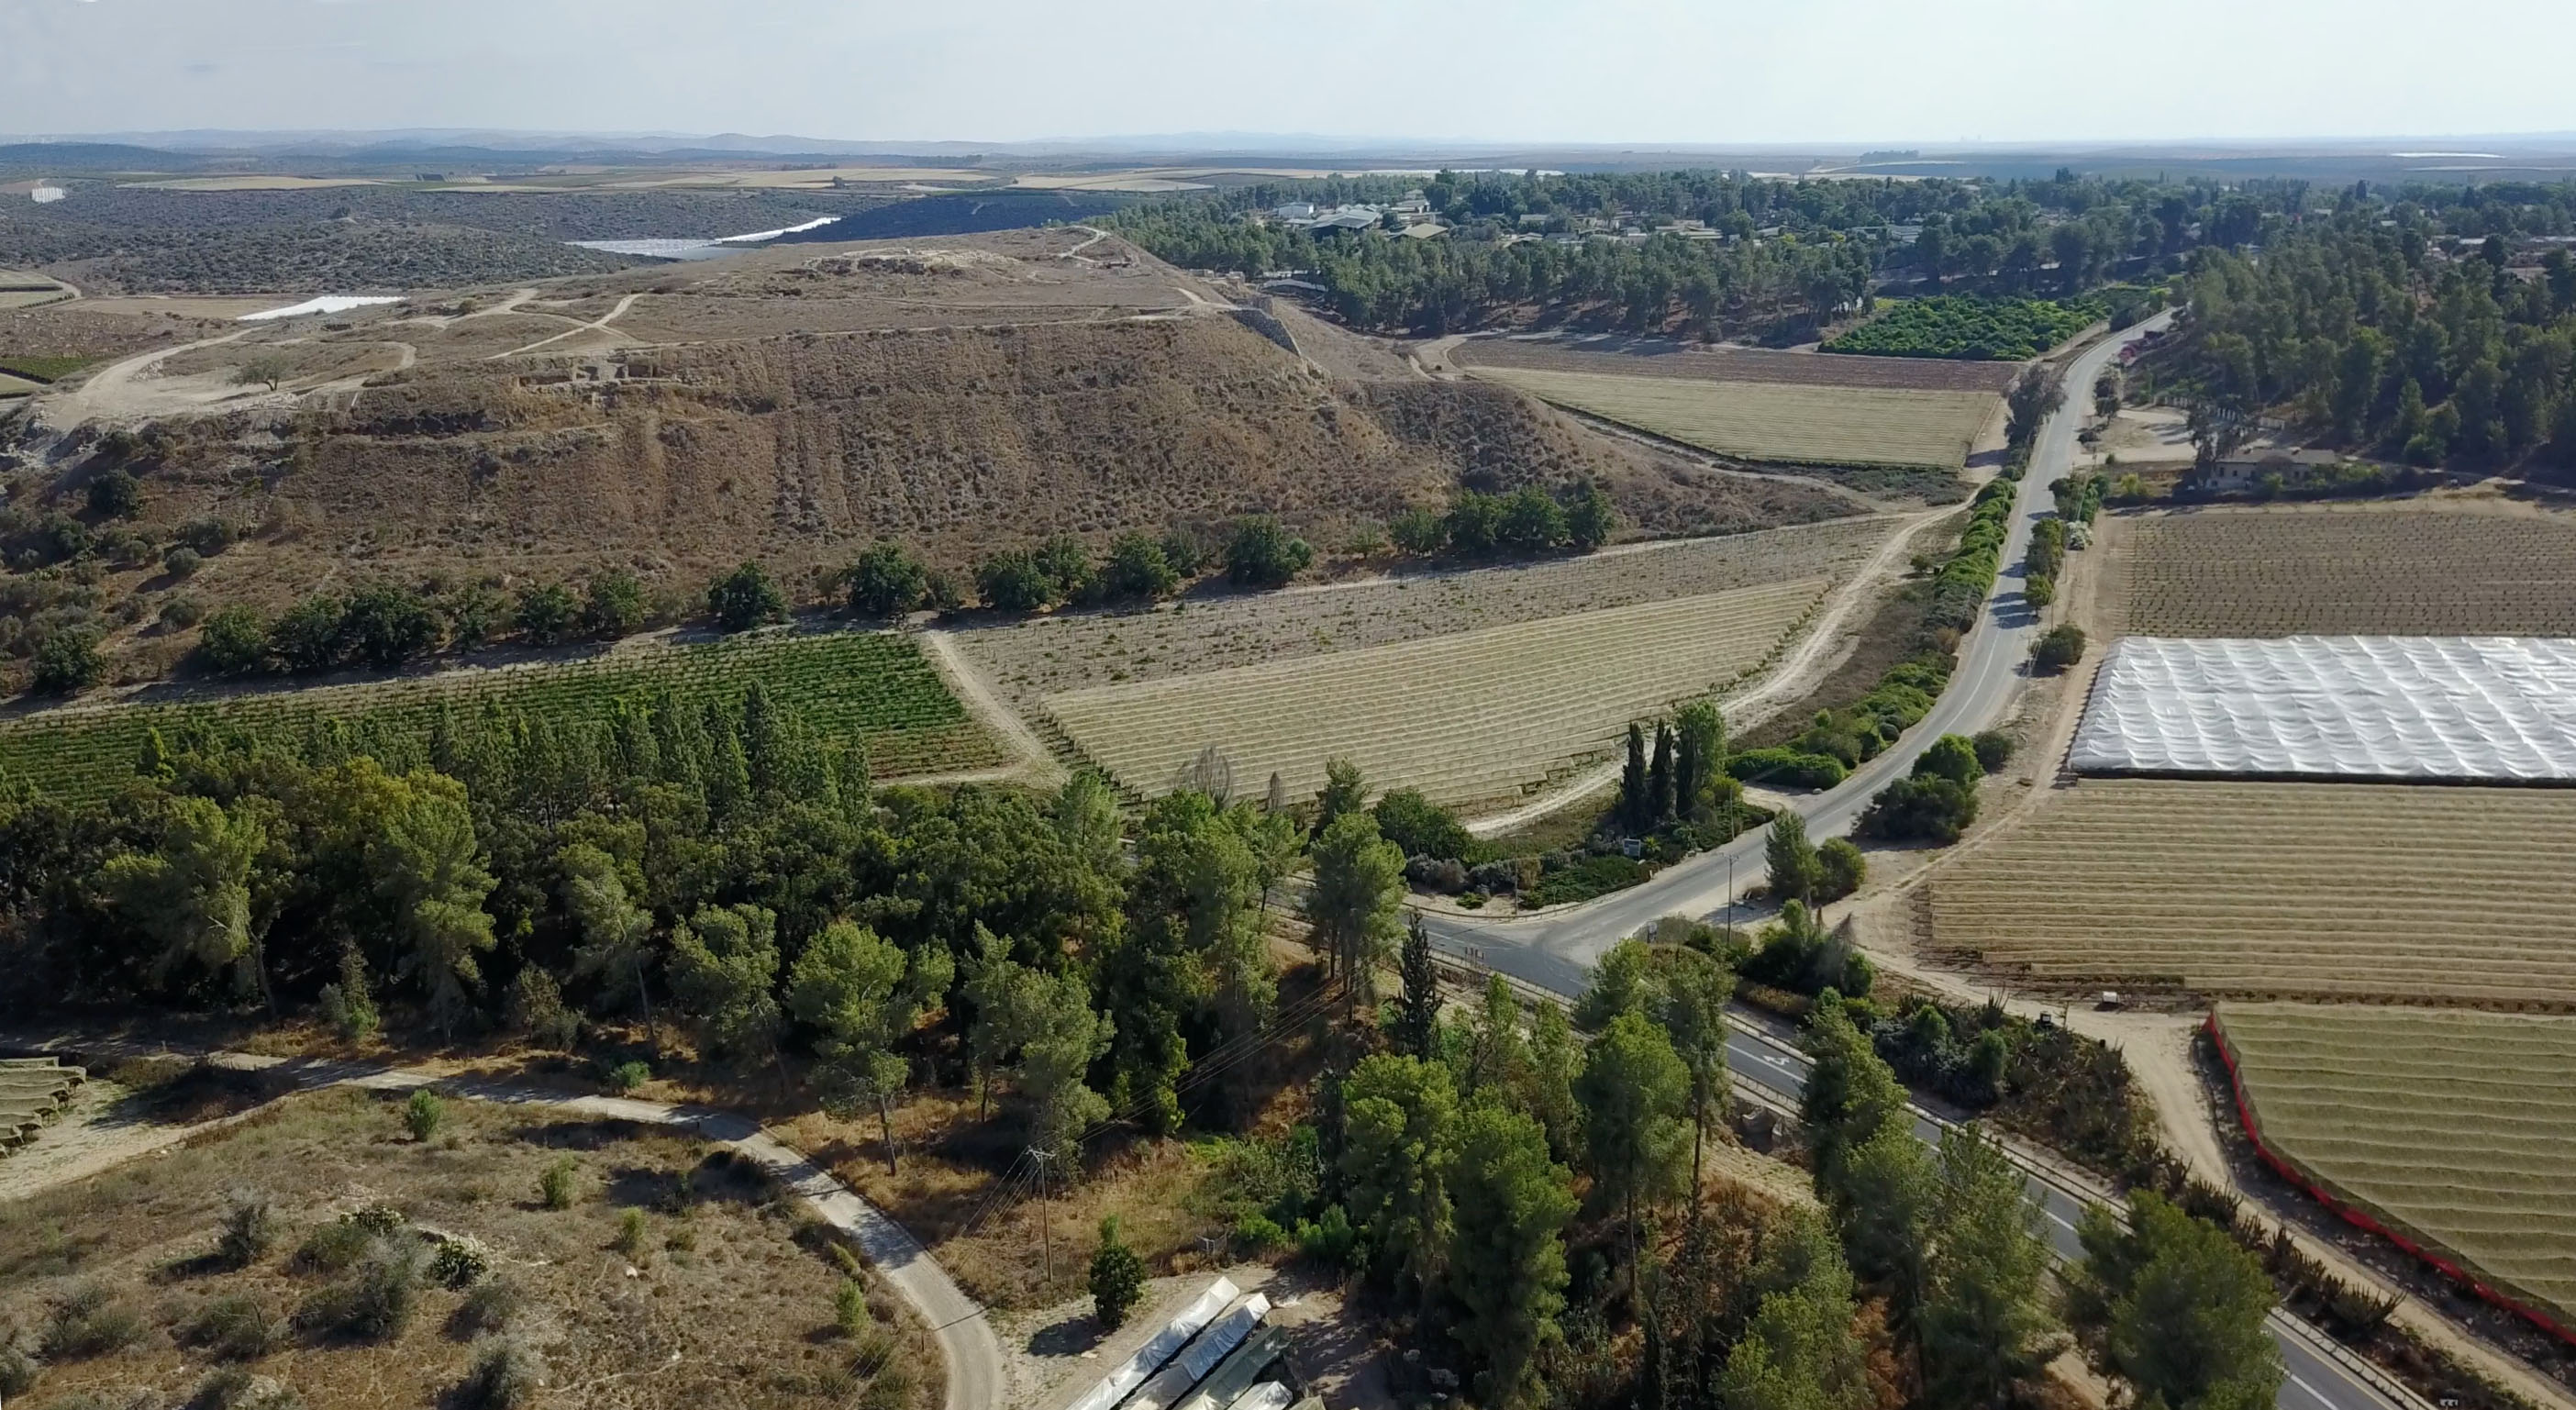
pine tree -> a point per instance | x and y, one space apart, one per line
1506 1249
1795 867
1419 1027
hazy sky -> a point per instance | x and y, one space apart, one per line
1643 71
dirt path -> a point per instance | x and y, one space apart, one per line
965 1334
1785 684
601 326
1036 764
111 392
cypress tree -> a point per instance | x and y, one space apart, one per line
1659 778
1632 781
1421 1011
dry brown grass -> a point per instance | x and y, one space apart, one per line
2421 568
2393 892
728 1303
2456 1128
1779 421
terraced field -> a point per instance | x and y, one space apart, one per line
1776 421
872 688
1655 358
2455 1130
2415 893
2413 571
1467 718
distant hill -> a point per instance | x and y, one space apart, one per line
49 158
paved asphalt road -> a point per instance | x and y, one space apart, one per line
1555 951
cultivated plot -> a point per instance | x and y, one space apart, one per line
2455 1130
1467 718
864 688
2413 570
1775 420
2413 892
1657 358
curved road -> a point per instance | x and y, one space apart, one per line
1555 951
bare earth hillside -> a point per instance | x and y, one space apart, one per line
957 395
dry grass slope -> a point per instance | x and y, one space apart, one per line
1776 420
2412 570
2408 893
1466 718
2456 1128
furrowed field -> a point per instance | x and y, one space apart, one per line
1467 718
864 687
2279 890
2457 1129
2411 570
1774 420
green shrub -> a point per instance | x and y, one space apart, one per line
1419 532
850 1308
559 1185
206 534
1138 569
182 562
1925 807
332 1247
631 1233
67 662
504 1375
1953 757
1421 827
1329 1239
1994 750
422 1114
628 1075
235 641
250 1230
745 598
613 605
2058 648
182 610
891 1388
87 1320
1117 1276
115 495
234 1327
376 1300
1012 581
17 1369
1840 869
1583 880
1264 554
887 582
1788 767
488 1307
545 613
1256 1234
346 1005
459 1263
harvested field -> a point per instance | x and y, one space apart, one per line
1470 718
864 688
1657 358
2415 569
1775 420
717 1302
1029 660
2403 892
2455 1130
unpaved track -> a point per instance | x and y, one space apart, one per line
601 326
1036 764
966 1339
110 393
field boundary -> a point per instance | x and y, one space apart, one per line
2352 1212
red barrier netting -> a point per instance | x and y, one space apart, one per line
2357 1217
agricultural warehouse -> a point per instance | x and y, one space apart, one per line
2482 709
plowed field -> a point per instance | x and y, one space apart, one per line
1469 717
1774 420
2408 572
2455 1129
2452 896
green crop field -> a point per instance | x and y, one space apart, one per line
2455 1129
1974 329
1776 421
873 688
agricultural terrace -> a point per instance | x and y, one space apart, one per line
1775 420
860 688
2411 569
2420 893
1072 651
713 1299
1657 358
1471 718
1964 326
2455 1130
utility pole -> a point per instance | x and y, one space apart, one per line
1046 1242
1730 905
